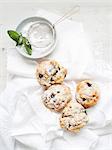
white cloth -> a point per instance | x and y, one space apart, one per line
34 127
38 128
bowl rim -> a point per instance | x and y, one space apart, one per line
49 50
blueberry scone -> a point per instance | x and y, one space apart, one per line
87 93
50 72
73 117
56 97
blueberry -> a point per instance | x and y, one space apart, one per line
51 79
52 95
55 72
40 75
59 68
62 114
83 99
85 112
69 125
89 84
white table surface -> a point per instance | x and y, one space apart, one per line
96 18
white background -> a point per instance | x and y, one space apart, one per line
96 17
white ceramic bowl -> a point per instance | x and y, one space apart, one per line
37 52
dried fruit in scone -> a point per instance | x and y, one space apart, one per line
56 97
50 72
73 117
87 93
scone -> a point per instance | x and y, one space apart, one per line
87 93
50 72
73 117
56 97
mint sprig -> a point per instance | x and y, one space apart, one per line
27 45
20 40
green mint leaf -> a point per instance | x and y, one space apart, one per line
27 46
20 40
14 35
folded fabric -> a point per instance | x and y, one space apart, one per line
38 128
37 123
71 50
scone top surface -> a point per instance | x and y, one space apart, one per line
73 117
87 93
56 97
50 72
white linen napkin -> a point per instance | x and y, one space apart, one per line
38 122
71 50
37 127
